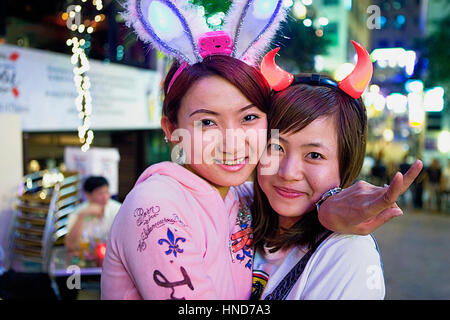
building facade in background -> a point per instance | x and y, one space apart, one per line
340 21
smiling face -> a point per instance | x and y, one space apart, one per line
322 146
223 133
308 167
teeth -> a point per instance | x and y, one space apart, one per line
231 163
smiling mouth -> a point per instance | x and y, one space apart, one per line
231 162
288 193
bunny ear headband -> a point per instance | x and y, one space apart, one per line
353 85
175 29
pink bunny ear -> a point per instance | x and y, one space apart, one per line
168 27
252 24
356 82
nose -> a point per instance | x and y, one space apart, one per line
233 143
291 169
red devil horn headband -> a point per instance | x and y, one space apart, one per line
277 78
354 84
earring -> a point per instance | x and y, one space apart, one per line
178 155
182 158
165 139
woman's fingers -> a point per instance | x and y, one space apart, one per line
367 227
412 174
380 199
394 190
384 198
363 207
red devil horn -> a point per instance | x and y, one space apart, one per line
277 78
356 82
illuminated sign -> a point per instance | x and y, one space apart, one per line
433 100
395 57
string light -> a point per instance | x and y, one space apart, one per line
81 67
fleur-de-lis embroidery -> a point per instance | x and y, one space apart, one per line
172 242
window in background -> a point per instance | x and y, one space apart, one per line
330 32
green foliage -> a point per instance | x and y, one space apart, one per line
212 7
435 50
438 54
299 44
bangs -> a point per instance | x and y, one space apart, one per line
250 82
296 107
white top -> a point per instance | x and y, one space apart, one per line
343 267
94 227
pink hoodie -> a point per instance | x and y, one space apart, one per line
171 240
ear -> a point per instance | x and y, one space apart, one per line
168 127
252 24
167 27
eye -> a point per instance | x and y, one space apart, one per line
207 123
274 147
250 117
314 156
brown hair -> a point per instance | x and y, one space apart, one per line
292 110
246 78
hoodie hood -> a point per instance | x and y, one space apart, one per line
189 180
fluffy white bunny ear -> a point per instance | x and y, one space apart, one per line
170 26
252 24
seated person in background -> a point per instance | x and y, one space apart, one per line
92 219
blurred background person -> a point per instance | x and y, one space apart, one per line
405 199
417 190
92 219
433 185
379 174
366 169
446 188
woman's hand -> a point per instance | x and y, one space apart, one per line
363 207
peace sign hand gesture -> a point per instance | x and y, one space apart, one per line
363 207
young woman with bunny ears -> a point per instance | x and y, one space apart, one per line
184 231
